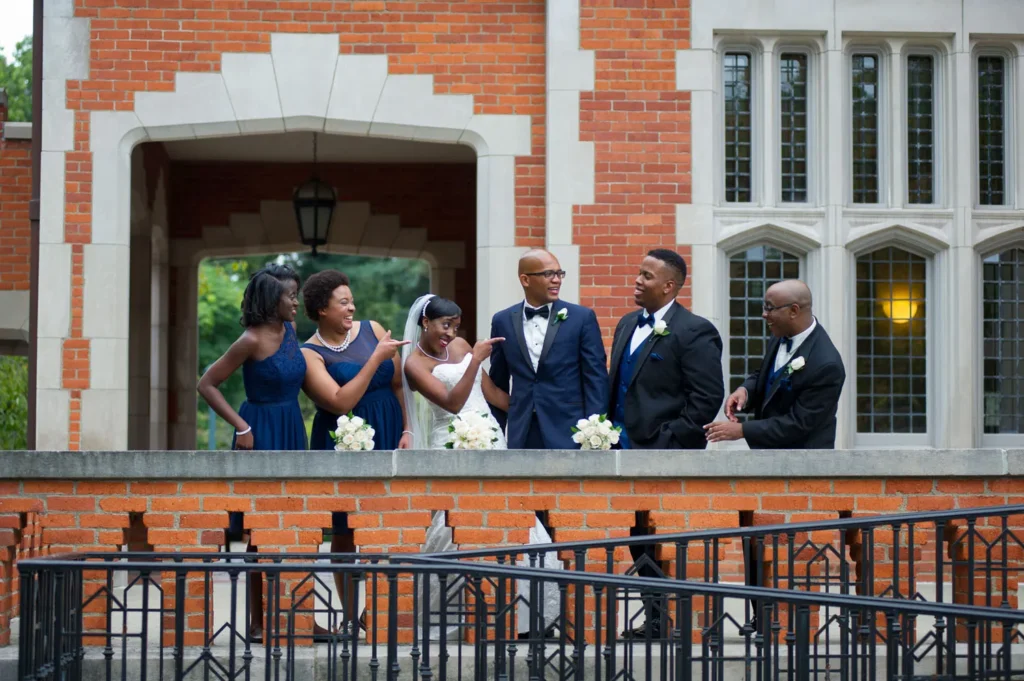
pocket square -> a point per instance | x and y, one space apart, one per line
656 357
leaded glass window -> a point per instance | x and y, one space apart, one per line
750 274
793 126
991 131
1003 334
738 127
865 74
891 342
920 129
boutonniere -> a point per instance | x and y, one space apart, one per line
660 328
796 365
561 315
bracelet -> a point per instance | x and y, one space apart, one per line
244 432
406 431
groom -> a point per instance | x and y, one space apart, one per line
554 356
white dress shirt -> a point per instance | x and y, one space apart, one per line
783 355
535 330
642 332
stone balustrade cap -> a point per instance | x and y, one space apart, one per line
527 464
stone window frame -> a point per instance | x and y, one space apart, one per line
881 51
1010 56
755 50
995 245
815 148
940 124
788 249
908 241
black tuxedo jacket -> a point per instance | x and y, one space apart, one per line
799 410
677 384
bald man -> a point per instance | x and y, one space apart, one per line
553 357
795 394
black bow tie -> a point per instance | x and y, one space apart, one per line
645 320
788 342
532 312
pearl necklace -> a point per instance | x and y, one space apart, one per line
337 348
431 356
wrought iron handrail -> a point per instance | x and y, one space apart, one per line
861 522
427 565
779 635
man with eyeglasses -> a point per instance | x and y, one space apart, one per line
552 364
553 356
794 396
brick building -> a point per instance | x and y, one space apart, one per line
872 148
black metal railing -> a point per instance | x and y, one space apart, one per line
968 556
181 616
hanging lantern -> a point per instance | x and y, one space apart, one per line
314 203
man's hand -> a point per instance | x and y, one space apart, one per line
735 403
722 431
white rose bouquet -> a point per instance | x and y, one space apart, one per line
471 430
596 432
353 434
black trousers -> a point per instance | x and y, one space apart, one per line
647 569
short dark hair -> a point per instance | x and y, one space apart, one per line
674 261
263 294
316 294
438 307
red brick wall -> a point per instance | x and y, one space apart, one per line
392 515
440 198
492 51
15 194
640 126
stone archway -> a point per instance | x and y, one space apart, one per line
270 231
303 84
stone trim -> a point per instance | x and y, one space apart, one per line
16 131
953 233
517 464
569 172
303 84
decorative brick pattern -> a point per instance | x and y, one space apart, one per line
15 231
640 126
492 52
390 516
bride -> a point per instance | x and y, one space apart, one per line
443 377
446 371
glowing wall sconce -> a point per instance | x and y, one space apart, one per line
899 302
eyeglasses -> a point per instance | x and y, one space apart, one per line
548 274
768 307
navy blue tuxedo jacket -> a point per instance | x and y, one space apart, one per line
571 380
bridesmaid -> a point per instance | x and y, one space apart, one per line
350 367
273 370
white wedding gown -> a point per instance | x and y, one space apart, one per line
439 535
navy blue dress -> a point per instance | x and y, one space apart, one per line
271 406
379 407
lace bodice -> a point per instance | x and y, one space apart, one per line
450 375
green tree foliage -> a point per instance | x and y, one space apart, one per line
383 288
16 79
13 402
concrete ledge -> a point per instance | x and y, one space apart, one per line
574 464
16 131
315 663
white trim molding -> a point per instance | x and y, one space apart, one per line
65 57
569 163
829 230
